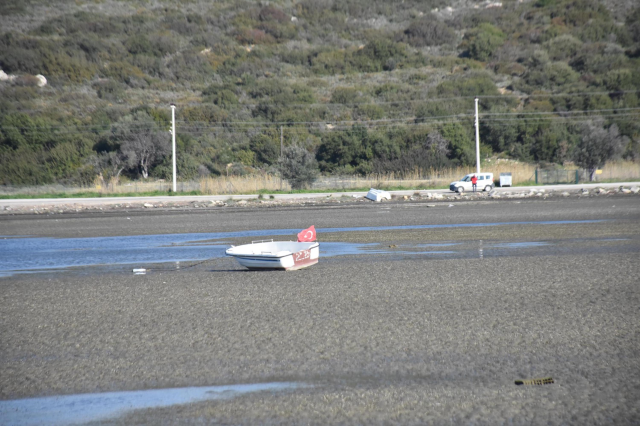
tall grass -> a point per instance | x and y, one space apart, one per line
243 184
627 170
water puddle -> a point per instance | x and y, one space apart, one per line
344 249
73 409
526 244
28 255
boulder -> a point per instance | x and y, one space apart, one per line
42 81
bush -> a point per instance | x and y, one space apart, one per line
369 112
122 71
428 31
110 90
563 47
348 150
139 45
298 167
482 41
190 67
270 13
345 95
266 149
633 24
379 55
461 143
599 59
221 95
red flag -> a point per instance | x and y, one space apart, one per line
307 235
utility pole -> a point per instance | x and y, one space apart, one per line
281 146
173 143
477 140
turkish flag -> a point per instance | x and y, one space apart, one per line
307 235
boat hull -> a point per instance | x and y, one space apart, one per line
283 255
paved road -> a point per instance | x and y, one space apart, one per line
395 335
188 198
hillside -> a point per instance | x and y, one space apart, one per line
364 86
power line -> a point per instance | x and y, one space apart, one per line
518 116
399 102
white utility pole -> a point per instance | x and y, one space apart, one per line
477 140
173 143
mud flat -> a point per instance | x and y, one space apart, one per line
391 337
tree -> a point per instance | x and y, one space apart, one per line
298 167
461 143
598 145
346 151
141 142
109 166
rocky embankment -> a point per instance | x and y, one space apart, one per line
104 205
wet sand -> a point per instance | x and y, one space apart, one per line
384 338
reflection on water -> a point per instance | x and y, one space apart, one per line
72 409
24 255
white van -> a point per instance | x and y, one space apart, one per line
485 183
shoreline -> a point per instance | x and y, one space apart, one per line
44 206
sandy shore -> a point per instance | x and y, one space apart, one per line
386 338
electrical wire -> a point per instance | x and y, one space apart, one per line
509 96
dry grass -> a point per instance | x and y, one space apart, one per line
521 174
627 170
243 184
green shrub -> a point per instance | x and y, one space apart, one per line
461 143
266 148
347 150
369 112
428 31
379 55
345 95
482 41
298 167
633 24
599 59
110 90
202 114
139 44
563 47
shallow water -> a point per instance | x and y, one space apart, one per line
28 255
73 409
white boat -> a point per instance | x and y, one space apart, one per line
269 254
